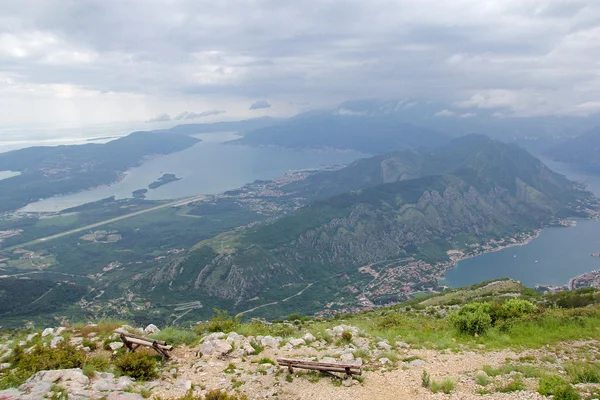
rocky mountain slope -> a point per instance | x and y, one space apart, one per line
407 209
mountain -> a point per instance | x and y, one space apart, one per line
224 126
583 150
49 171
395 230
368 134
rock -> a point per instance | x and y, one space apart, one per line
384 346
9 394
122 396
214 336
150 329
4 366
347 382
86 349
269 341
76 341
60 330
328 360
309 338
222 347
184 384
73 379
416 363
207 349
248 349
47 332
56 340
347 357
92 334
115 345
234 337
31 336
297 342
402 345
385 361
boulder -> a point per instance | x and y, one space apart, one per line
235 338
385 361
47 332
297 342
309 338
207 349
4 366
31 336
75 341
347 357
416 363
248 349
214 336
269 341
184 384
73 379
9 394
222 347
60 330
328 360
402 345
150 329
115 345
384 346
55 341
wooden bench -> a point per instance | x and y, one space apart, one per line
328 368
133 342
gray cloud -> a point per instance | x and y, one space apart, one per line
97 57
160 118
259 104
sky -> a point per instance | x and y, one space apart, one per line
104 61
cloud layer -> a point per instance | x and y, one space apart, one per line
99 60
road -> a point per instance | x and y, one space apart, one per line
179 202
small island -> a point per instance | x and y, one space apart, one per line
163 180
140 193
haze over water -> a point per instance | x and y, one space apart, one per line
553 258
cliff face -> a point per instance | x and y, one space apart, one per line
494 191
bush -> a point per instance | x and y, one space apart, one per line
89 343
176 336
41 358
346 337
446 386
137 365
517 308
472 319
554 385
425 379
220 322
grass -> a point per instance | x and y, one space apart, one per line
265 360
445 386
103 328
581 372
557 386
514 385
177 336
528 371
482 380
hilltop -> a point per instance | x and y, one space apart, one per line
582 150
516 344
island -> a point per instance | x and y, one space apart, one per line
163 180
140 193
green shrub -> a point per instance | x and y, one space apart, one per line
554 385
390 321
446 386
220 322
346 337
265 360
482 380
513 386
89 343
41 358
136 365
98 363
517 308
425 379
472 319
176 336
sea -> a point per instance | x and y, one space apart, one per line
210 167
553 258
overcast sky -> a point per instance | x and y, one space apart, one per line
81 61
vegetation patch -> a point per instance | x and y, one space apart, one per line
138 365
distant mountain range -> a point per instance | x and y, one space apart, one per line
582 150
408 205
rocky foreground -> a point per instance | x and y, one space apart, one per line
244 364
